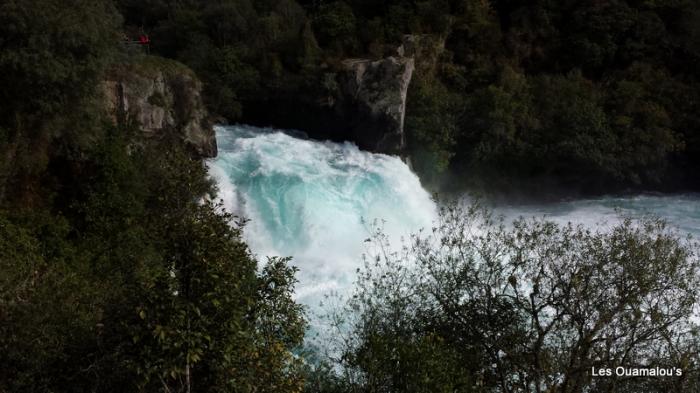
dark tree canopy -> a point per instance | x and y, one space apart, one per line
595 96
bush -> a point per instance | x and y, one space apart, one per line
477 305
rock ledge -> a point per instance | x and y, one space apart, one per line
164 98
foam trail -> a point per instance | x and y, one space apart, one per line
311 200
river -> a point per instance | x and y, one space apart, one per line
315 201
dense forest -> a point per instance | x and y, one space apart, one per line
118 271
121 271
590 96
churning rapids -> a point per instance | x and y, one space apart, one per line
313 201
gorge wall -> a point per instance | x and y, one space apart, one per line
372 102
164 98
361 100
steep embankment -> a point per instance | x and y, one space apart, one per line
164 98
362 100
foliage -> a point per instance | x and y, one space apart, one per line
143 283
475 305
53 53
431 126
241 49
335 25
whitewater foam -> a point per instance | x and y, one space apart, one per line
312 200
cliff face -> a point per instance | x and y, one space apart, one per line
164 98
362 101
358 100
372 99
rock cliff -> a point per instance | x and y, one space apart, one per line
360 100
164 98
372 100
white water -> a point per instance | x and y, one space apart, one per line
681 210
312 200
307 199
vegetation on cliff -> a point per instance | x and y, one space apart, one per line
118 270
583 95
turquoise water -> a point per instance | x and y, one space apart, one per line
680 210
312 200
315 200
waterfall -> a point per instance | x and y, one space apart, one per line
314 201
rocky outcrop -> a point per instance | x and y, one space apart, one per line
372 97
164 98
358 100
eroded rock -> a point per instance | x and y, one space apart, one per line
164 98
373 98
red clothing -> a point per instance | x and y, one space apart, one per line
143 39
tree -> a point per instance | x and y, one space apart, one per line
478 305
335 26
53 53
199 318
431 125
142 283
